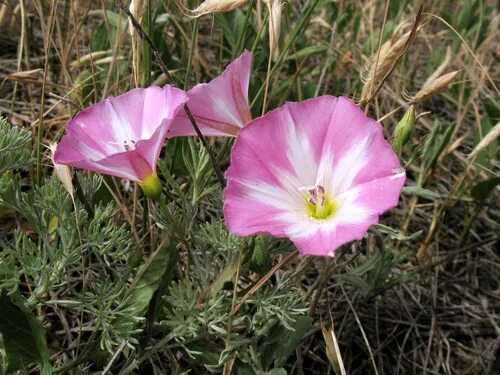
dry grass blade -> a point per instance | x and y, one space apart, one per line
217 6
333 350
434 87
32 74
492 135
63 173
136 9
275 8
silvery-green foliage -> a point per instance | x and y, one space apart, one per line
14 147
106 237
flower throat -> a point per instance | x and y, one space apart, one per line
319 205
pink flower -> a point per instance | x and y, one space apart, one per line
122 136
318 172
220 107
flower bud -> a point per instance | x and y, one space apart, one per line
403 131
151 186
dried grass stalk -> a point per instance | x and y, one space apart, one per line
275 9
492 135
217 6
24 75
137 9
333 350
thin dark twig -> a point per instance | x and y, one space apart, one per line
144 36
65 100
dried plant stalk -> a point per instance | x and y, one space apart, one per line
275 9
217 6
492 135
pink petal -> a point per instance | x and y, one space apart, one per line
220 107
121 136
369 201
323 141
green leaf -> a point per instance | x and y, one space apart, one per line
261 257
307 51
147 281
14 147
420 192
436 144
225 276
23 336
282 341
395 234
231 24
275 371
9 274
483 189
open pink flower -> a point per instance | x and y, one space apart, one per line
122 136
220 107
317 171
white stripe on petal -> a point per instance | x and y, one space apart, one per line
349 211
300 153
122 130
268 194
223 107
348 167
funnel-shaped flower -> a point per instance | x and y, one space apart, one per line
122 136
219 107
318 172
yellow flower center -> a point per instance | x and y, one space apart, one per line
319 205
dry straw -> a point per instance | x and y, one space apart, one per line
137 9
275 9
217 6
10 22
492 135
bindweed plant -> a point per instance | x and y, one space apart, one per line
317 197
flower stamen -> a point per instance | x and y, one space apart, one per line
319 205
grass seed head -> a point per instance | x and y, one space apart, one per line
434 87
